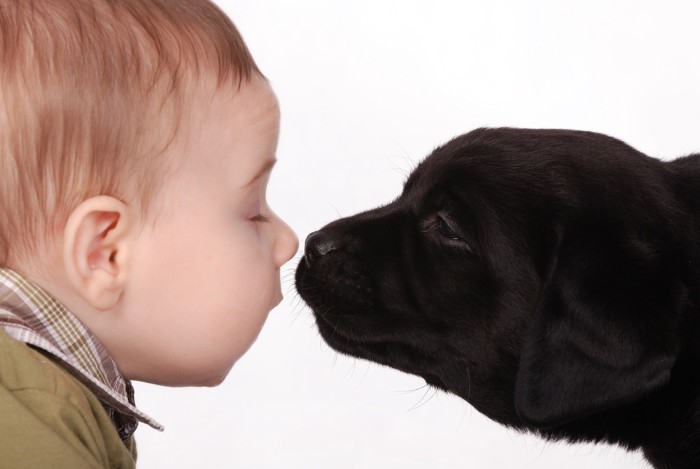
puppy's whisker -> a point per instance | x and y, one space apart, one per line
410 391
351 369
467 408
421 402
336 209
298 307
406 157
297 303
362 380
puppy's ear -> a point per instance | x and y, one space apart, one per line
605 330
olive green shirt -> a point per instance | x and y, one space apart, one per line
48 419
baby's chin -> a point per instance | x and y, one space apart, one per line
211 382
215 376
203 373
206 381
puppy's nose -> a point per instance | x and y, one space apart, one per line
318 244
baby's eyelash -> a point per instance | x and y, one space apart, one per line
260 219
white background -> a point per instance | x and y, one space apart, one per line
368 88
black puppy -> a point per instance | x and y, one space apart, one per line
549 277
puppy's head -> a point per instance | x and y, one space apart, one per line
535 273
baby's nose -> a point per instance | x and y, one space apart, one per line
287 244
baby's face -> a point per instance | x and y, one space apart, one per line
205 272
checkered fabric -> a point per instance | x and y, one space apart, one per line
29 314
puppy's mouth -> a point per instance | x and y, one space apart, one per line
348 339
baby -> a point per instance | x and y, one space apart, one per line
136 142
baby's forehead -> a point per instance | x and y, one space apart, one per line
230 109
229 134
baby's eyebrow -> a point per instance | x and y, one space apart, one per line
264 169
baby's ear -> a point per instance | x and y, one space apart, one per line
95 250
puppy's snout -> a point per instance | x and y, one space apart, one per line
318 244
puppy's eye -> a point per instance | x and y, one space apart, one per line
445 229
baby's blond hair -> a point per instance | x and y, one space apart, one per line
91 92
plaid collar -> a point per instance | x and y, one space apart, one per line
29 314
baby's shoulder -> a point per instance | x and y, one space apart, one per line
23 368
39 397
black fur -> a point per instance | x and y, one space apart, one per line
548 277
